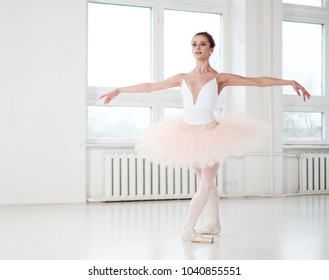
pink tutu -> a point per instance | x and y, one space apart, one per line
176 143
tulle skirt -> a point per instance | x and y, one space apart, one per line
176 143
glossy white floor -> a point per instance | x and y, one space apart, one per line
253 228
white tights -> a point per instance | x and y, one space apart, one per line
207 192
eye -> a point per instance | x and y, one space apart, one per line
203 44
194 44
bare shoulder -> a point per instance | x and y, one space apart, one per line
227 79
173 81
178 77
176 80
224 77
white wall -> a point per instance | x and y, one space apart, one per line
255 50
42 101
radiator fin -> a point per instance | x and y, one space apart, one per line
314 173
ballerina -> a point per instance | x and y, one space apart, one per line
198 138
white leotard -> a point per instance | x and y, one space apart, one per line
202 111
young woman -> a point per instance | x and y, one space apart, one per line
199 139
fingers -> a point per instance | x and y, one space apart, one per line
301 91
305 94
108 97
106 100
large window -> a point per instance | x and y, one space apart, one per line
145 42
304 59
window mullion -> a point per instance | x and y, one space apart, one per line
315 13
325 54
159 39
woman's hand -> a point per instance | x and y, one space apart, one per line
109 96
301 90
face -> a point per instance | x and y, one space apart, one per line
201 47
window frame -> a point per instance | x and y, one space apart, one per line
311 15
157 101
323 4
323 110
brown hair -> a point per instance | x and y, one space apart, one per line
209 37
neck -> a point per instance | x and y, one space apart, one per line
202 67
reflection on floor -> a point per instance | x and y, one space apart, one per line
295 227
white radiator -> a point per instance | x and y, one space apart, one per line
314 172
128 177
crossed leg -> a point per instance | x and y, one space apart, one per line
207 192
213 207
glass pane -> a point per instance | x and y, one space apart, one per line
317 3
179 29
117 123
172 112
303 126
302 55
118 45
218 112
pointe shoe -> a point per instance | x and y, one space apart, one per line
192 236
209 230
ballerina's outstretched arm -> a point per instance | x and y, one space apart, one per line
144 87
236 80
